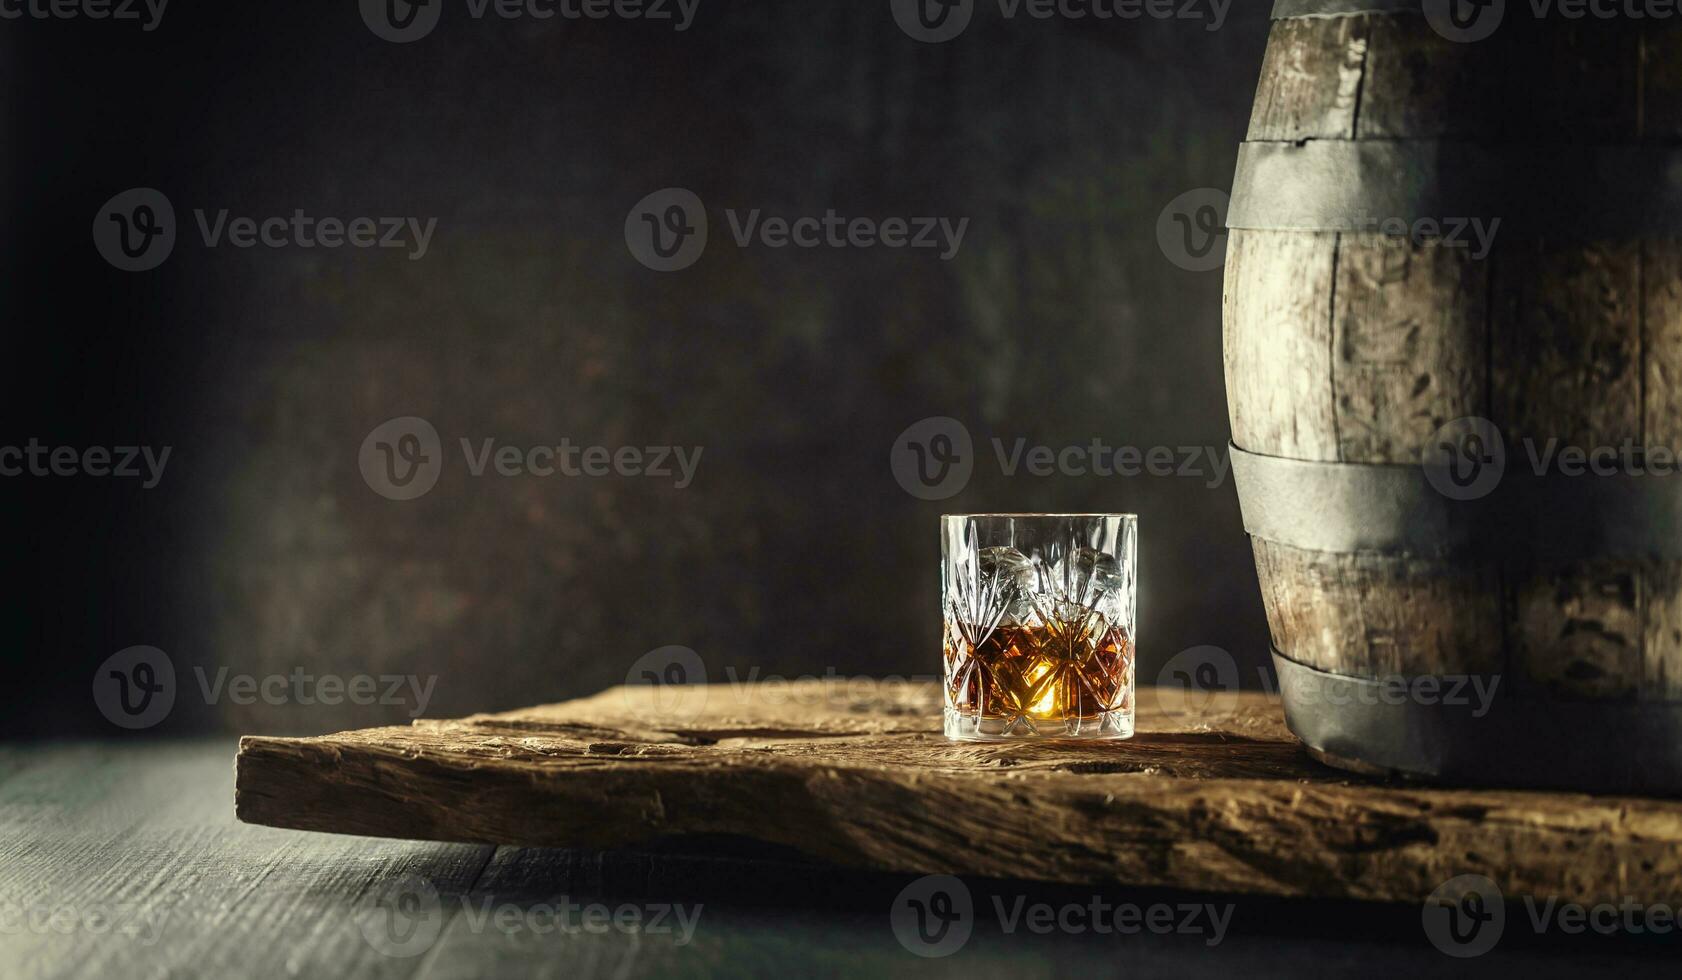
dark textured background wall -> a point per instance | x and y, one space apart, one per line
794 550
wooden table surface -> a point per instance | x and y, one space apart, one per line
124 859
1214 794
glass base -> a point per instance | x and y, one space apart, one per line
968 727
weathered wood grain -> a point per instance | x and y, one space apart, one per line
1410 344
142 873
1416 86
1310 80
1661 418
1577 630
1661 343
1278 345
1566 356
1579 342
1379 615
1224 802
1661 637
1566 366
254 902
1393 77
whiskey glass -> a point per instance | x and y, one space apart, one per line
1039 614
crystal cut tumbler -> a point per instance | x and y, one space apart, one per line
1039 625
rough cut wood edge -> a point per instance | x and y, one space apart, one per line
1194 806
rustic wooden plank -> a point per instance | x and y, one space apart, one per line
1181 805
1380 615
86 831
1410 344
253 902
1310 80
1278 349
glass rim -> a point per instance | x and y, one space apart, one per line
962 517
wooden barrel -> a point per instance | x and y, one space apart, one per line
1353 356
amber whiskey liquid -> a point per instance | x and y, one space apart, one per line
1076 667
